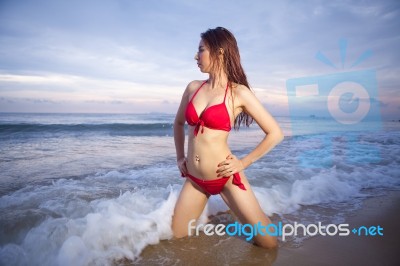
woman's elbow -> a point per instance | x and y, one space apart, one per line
278 136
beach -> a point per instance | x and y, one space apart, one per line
100 189
318 250
352 249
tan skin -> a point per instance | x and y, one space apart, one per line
204 150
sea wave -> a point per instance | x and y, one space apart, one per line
120 129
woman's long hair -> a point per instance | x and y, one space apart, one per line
218 38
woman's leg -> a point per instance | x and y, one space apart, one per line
246 207
190 205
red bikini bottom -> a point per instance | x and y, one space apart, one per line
215 186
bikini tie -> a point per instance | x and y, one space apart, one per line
197 128
238 181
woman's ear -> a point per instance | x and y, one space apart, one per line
221 54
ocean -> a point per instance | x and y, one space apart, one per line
79 189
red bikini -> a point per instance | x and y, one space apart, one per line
213 117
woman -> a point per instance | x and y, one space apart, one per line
211 107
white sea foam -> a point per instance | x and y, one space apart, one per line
114 229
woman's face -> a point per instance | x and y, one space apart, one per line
203 58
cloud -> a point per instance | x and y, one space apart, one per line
138 51
6 100
57 87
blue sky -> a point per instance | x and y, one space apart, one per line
129 56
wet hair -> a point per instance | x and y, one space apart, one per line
218 38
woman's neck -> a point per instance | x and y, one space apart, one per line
217 80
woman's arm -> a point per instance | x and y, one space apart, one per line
179 131
252 106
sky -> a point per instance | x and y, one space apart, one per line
137 56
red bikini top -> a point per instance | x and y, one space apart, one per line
214 117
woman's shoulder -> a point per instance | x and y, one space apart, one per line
194 85
240 89
243 95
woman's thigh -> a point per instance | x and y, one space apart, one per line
247 208
190 205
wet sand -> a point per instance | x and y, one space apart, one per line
354 249
318 250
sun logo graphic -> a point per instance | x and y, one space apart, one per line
341 107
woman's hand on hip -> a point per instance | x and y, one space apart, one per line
229 166
182 166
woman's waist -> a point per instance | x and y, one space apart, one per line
208 152
204 164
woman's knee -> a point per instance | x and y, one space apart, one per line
267 242
178 231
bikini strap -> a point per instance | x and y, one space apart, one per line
194 95
226 90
